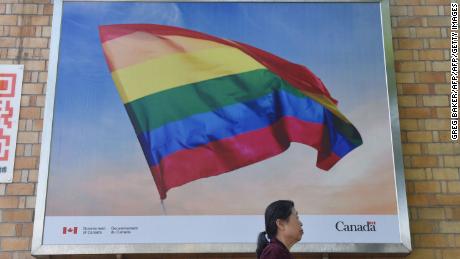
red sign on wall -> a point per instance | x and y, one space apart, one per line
10 100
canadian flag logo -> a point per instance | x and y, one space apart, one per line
67 230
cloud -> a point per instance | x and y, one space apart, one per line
104 193
113 12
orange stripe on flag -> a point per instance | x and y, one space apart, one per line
141 46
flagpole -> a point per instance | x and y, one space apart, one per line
163 207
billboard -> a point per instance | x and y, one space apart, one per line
170 126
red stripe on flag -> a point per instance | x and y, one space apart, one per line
232 153
297 75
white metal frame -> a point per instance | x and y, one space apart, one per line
38 249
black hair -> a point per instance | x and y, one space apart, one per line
281 209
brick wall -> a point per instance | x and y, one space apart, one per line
421 41
24 38
432 161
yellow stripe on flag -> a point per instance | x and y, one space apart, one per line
326 103
174 70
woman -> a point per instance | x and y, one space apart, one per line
282 230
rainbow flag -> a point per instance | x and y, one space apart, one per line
202 105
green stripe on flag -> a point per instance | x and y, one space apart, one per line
153 111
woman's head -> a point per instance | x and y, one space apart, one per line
282 222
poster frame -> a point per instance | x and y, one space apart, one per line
39 249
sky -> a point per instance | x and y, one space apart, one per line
97 166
